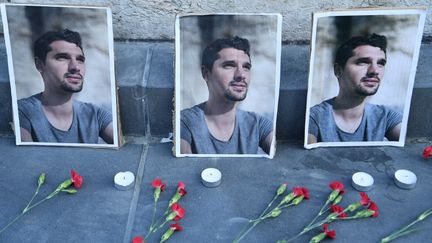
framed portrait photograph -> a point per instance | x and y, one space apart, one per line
361 76
61 69
227 74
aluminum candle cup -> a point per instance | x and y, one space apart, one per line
211 177
124 180
405 179
362 181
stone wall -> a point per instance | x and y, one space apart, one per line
144 53
154 19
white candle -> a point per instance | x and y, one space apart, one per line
362 181
405 179
211 177
124 180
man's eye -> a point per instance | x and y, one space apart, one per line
61 57
382 64
362 63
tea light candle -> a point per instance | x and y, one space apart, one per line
124 180
211 177
362 181
405 179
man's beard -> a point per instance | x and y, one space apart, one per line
71 88
230 95
360 90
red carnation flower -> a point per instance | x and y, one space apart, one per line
305 192
337 185
138 239
301 191
181 188
76 179
329 233
182 192
373 207
176 227
364 199
157 183
427 152
170 232
181 185
178 210
339 210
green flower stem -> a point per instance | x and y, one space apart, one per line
270 204
11 222
262 216
320 213
256 221
160 226
153 220
312 225
395 236
265 210
31 200
159 220
325 205
240 237
248 228
28 208
286 205
154 226
406 230
309 228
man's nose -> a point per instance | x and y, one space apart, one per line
74 65
374 69
239 74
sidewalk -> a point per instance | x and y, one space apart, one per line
101 213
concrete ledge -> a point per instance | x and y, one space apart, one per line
144 73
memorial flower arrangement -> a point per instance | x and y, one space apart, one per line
173 212
427 152
407 229
76 180
293 198
364 208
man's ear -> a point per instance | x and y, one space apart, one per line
337 69
204 72
39 64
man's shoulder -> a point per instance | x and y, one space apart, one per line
379 109
250 118
86 106
30 102
322 107
248 115
192 112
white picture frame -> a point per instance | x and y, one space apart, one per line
193 32
23 23
403 28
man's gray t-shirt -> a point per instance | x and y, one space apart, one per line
250 132
87 126
376 122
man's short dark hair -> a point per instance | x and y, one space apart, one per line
346 50
210 53
42 45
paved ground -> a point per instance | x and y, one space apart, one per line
101 213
